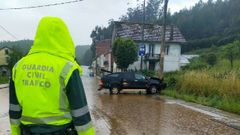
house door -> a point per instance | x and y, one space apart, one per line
151 65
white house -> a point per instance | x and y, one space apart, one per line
150 38
4 56
103 56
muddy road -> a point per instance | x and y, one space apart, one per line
139 114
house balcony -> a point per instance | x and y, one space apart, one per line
152 57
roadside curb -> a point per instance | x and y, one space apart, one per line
3 86
229 119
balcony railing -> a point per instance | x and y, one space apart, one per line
152 56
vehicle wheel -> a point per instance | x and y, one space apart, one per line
110 91
148 91
153 89
115 88
159 91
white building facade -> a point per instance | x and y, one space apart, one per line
150 37
152 56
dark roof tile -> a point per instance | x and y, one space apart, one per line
152 33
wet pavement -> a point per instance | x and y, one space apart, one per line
4 121
139 114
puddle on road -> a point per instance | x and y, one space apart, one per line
6 132
4 124
225 118
101 122
4 119
217 116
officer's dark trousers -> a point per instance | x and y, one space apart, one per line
69 131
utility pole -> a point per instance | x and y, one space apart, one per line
143 21
112 43
163 40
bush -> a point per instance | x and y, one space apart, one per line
149 73
211 59
4 79
196 64
171 78
208 84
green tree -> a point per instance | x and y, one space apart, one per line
14 56
124 52
206 23
153 12
237 44
101 33
87 58
211 59
231 51
196 64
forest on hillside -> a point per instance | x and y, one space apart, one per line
21 48
203 25
22 45
211 23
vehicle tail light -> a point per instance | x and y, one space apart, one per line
100 83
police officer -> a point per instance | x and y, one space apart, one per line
46 92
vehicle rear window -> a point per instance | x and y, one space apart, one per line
139 77
128 76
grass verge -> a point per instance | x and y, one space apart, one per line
226 104
4 79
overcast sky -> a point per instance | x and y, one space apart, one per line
80 17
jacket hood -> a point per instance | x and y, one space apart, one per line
53 37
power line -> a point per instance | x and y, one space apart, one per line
40 6
8 32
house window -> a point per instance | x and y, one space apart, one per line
7 59
105 63
153 48
166 50
6 51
